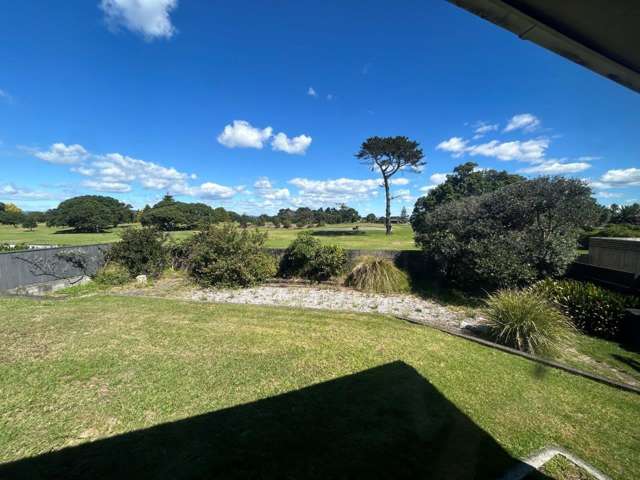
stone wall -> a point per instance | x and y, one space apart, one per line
50 266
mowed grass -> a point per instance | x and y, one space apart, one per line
371 236
243 392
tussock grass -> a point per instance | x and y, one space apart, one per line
379 275
525 320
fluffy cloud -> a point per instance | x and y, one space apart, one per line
265 190
523 121
399 181
627 177
212 191
296 145
455 145
240 134
332 192
527 151
147 17
404 195
311 92
555 167
62 154
530 150
4 95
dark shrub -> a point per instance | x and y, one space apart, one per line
227 256
141 251
307 257
592 309
511 237
527 321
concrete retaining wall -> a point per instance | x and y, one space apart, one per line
52 266
622 254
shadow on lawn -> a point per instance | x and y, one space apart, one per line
386 422
628 361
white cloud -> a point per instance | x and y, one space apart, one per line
330 96
404 195
241 134
435 179
147 17
311 92
555 167
11 192
588 158
265 190
455 145
524 121
627 177
296 145
211 190
107 186
61 154
481 129
399 181
609 194
314 193
527 151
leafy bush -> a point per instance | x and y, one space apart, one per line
141 251
227 256
376 274
510 237
112 274
5 247
612 230
592 309
307 257
527 321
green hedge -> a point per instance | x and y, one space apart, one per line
592 309
307 257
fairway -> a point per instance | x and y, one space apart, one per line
369 237
181 389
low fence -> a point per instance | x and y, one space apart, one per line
49 266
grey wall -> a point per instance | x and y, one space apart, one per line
30 267
621 254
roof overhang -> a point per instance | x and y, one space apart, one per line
602 35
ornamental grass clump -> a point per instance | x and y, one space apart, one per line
527 321
379 275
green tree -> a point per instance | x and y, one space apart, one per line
90 213
371 218
466 181
510 237
404 217
389 155
29 222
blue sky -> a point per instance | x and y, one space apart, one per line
257 106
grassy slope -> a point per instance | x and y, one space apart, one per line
75 370
374 239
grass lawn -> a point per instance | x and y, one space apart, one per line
371 236
149 388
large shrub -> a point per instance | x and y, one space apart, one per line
227 256
141 251
307 257
510 237
527 321
377 274
592 309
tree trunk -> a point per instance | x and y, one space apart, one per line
387 218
